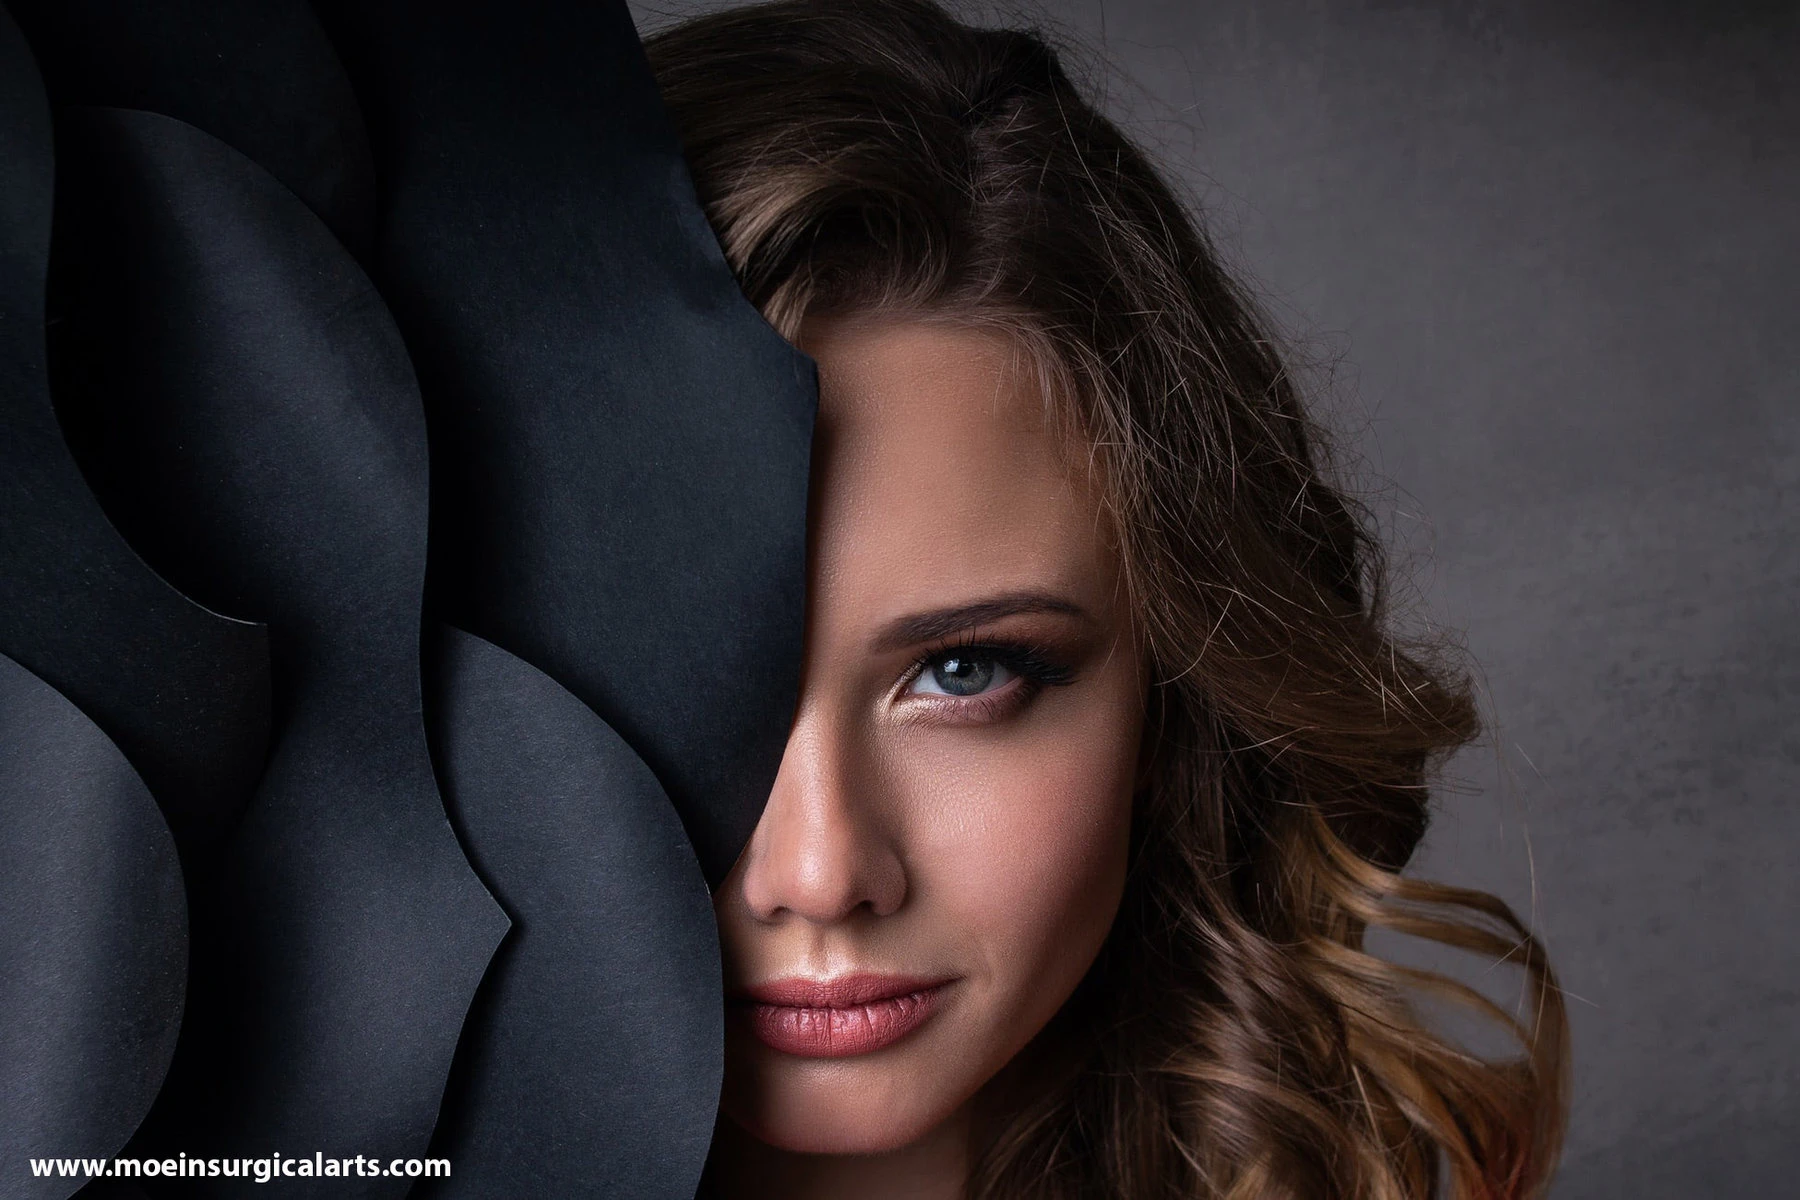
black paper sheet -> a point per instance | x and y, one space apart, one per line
263 430
113 680
606 995
93 951
184 692
619 442
259 75
403 319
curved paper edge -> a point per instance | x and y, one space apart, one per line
77 601
276 422
259 75
599 1029
621 445
94 944
256 425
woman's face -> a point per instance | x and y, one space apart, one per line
944 848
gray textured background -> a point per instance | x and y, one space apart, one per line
1552 252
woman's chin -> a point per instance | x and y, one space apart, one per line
826 1123
842 1137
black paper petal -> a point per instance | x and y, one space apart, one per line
182 691
590 1064
619 442
618 490
261 431
258 75
93 950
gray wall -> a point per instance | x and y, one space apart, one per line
1554 251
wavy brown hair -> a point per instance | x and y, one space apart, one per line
1234 1038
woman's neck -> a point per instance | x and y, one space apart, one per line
935 1167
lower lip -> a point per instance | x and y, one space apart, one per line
842 1032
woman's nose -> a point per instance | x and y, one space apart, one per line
822 849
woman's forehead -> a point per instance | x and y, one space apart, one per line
938 472
920 380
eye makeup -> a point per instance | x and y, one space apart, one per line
1034 666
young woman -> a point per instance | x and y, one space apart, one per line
1105 758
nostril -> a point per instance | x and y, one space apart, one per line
819 852
820 875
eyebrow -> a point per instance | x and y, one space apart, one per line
944 622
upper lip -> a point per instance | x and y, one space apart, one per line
846 991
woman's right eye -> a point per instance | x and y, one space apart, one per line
961 673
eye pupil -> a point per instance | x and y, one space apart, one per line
963 676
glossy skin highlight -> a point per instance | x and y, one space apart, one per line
953 808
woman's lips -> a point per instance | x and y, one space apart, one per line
839 1018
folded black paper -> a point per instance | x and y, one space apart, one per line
590 1064
617 488
259 431
259 75
93 950
184 692
114 681
619 442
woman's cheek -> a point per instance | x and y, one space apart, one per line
1026 846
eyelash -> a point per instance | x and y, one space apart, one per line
1030 661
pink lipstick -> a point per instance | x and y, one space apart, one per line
839 1018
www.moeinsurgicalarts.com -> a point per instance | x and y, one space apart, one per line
263 1170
